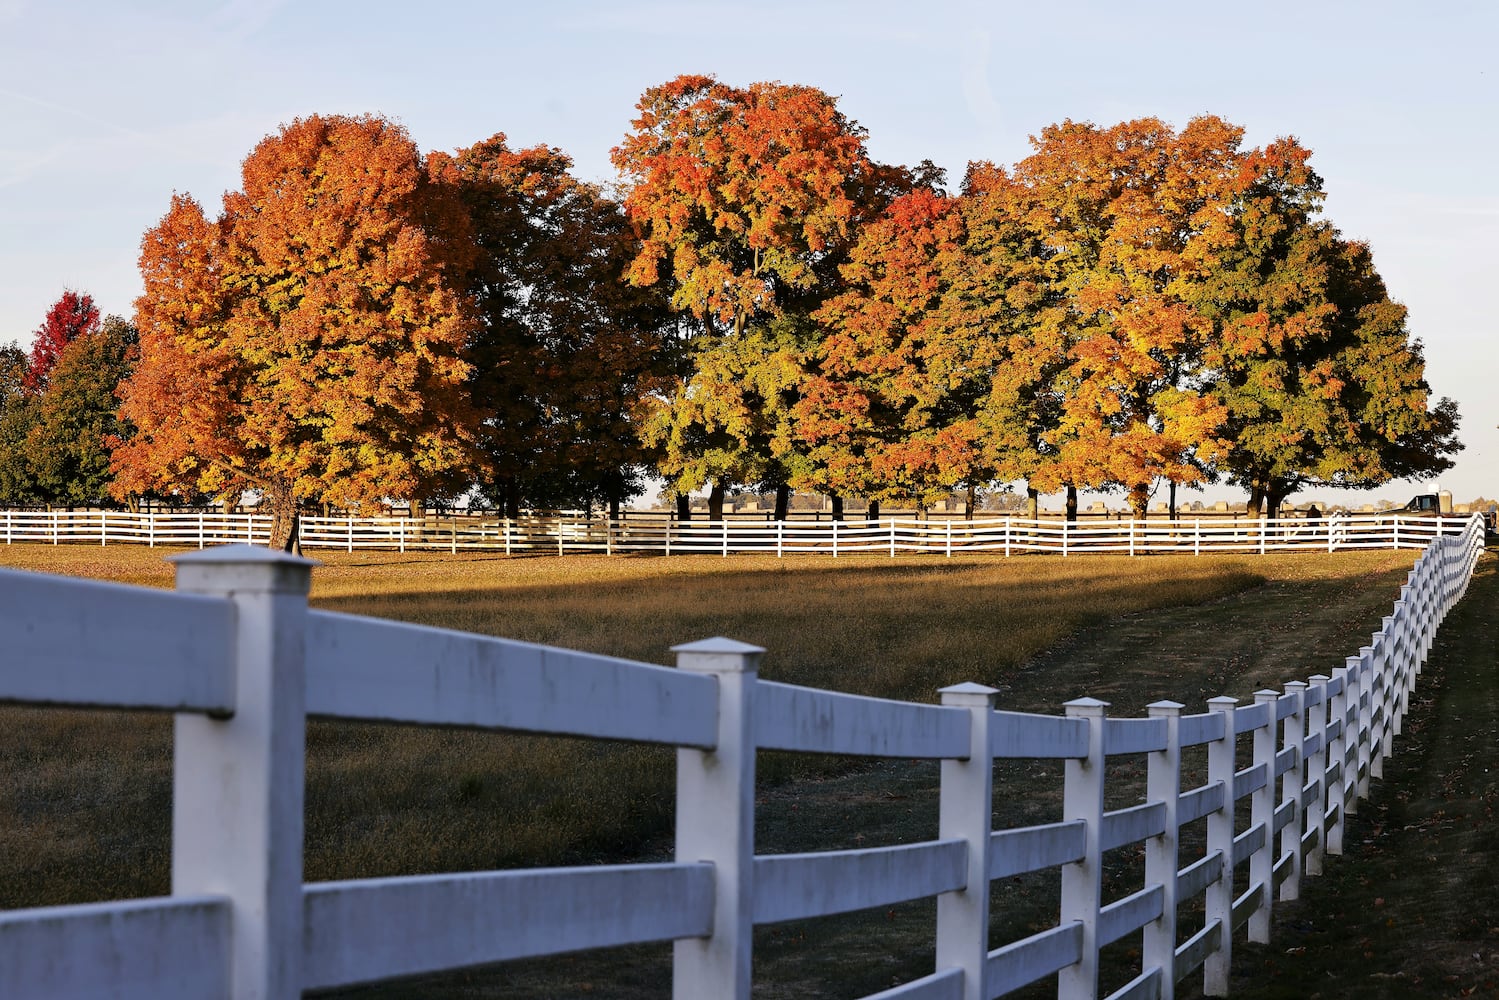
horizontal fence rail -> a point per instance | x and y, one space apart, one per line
241 923
662 534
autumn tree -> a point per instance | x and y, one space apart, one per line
1135 216
1322 383
308 342
744 199
17 416
891 410
565 347
72 316
76 419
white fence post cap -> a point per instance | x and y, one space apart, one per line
243 568
1222 703
1265 695
968 693
1085 706
1165 708
719 655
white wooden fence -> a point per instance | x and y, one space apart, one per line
650 532
241 661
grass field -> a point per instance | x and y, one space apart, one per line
87 811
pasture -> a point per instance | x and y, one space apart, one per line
87 810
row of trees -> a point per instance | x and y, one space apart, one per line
764 307
58 410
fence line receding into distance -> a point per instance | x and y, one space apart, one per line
662 534
242 662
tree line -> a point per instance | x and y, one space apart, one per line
761 305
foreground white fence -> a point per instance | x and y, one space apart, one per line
240 659
650 532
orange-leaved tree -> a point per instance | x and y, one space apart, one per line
1136 216
308 343
745 199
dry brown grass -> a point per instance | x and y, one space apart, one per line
87 816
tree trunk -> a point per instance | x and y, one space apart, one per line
1172 500
1275 495
1256 500
837 499
1072 504
228 504
715 501
512 498
1032 501
872 512
415 508
783 502
684 508
970 502
286 520
614 507
1139 501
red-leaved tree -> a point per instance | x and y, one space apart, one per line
70 317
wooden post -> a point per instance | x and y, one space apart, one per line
670 518
835 539
966 813
1082 880
1219 900
949 538
200 529
1064 536
1163 785
726 538
238 781
1292 784
780 537
719 826
1131 536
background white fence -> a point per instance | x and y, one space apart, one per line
240 659
650 532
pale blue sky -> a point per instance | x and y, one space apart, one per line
110 107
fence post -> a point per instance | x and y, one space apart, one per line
1064 536
401 534
1316 728
1219 899
103 529
608 536
200 529
1292 787
1163 785
1131 536
1337 756
780 537
1197 537
54 527
1082 881
1009 533
1395 535
892 538
949 538
716 824
1262 813
238 781
835 539
967 813
726 538
1365 713
670 519
8 516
